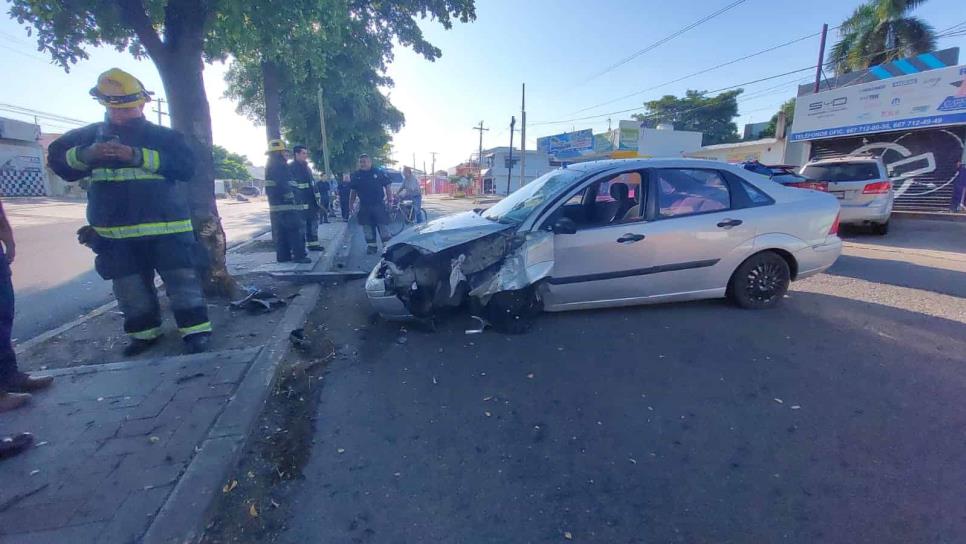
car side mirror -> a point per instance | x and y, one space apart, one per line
565 225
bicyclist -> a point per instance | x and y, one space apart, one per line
371 185
410 190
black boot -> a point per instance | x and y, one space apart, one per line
138 346
196 343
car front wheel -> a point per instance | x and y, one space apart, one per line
760 282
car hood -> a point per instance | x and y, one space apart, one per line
449 231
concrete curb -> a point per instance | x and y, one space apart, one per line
182 517
930 216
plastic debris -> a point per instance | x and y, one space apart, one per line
252 511
340 450
568 535
154 439
487 414
258 301
779 401
483 324
227 488
796 407
35 472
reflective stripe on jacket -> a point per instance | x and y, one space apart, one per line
130 200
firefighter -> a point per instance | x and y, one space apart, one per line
308 194
139 218
285 207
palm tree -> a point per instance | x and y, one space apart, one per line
880 31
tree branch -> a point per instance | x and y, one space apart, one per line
134 15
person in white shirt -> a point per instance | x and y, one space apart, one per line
411 190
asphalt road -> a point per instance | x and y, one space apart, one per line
54 278
836 418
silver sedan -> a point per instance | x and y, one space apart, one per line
612 233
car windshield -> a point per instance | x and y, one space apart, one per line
842 171
515 208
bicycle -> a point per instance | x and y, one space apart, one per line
402 214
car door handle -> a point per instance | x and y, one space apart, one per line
630 238
728 223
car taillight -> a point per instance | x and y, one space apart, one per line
835 227
877 188
814 185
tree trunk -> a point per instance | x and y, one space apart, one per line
182 75
273 100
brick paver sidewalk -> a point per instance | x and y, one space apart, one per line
115 439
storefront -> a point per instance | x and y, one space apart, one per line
915 122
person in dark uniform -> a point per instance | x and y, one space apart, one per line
371 185
139 220
324 188
344 193
308 196
285 209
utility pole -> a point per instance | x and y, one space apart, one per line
160 110
325 136
509 166
414 160
821 58
479 158
433 167
523 135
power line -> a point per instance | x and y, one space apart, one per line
700 72
941 34
42 114
666 39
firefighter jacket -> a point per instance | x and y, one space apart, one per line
308 193
280 189
133 200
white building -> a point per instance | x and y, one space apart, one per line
498 169
22 171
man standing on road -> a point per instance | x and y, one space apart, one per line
308 196
284 206
371 185
344 192
141 219
959 188
411 190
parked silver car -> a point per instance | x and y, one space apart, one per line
612 233
862 186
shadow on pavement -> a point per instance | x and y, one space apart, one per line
827 420
902 274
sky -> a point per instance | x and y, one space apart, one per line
559 48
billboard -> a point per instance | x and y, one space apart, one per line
568 145
927 99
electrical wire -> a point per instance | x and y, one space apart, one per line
665 39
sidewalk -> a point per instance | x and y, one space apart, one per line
134 450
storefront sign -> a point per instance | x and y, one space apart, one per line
927 99
568 145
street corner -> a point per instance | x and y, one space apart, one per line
258 256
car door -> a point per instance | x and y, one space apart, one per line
700 224
600 260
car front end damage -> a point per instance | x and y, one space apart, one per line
491 272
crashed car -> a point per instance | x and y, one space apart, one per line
611 233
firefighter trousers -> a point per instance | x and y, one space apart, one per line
131 265
288 232
312 228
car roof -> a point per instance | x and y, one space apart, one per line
670 162
846 159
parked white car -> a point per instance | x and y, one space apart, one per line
862 186
612 233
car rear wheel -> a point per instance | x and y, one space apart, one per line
760 282
880 228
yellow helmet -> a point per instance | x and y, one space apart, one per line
119 89
276 145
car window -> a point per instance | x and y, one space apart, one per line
616 200
515 208
755 196
842 171
688 192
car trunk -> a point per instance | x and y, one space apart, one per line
853 183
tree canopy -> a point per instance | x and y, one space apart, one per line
880 31
714 116
789 108
230 165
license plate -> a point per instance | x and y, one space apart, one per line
838 194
